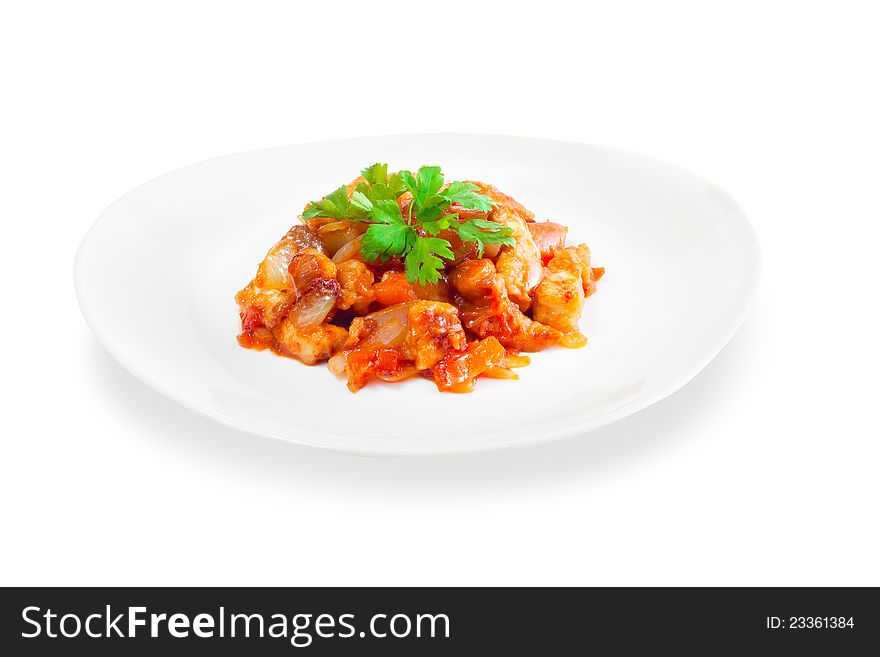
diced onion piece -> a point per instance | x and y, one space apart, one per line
347 251
307 266
398 312
337 234
272 273
548 236
386 328
390 333
312 308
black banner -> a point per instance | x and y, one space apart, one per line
418 621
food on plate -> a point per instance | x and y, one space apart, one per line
403 275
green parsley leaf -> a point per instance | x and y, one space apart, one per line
334 205
411 185
379 185
432 208
396 185
390 236
466 196
428 182
387 212
360 200
374 202
444 222
485 232
381 241
376 174
422 261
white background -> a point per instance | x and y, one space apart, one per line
763 470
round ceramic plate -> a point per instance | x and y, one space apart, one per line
157 272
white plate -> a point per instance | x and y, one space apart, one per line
157 272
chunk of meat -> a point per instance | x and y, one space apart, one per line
513 271
475 279
262 307
548 236
559 299
310 344
595 274
433 330
589 274
487 310
519 265
457 372
356 286
503 320
398 342
574 258
568 279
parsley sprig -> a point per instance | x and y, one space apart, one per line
389 233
